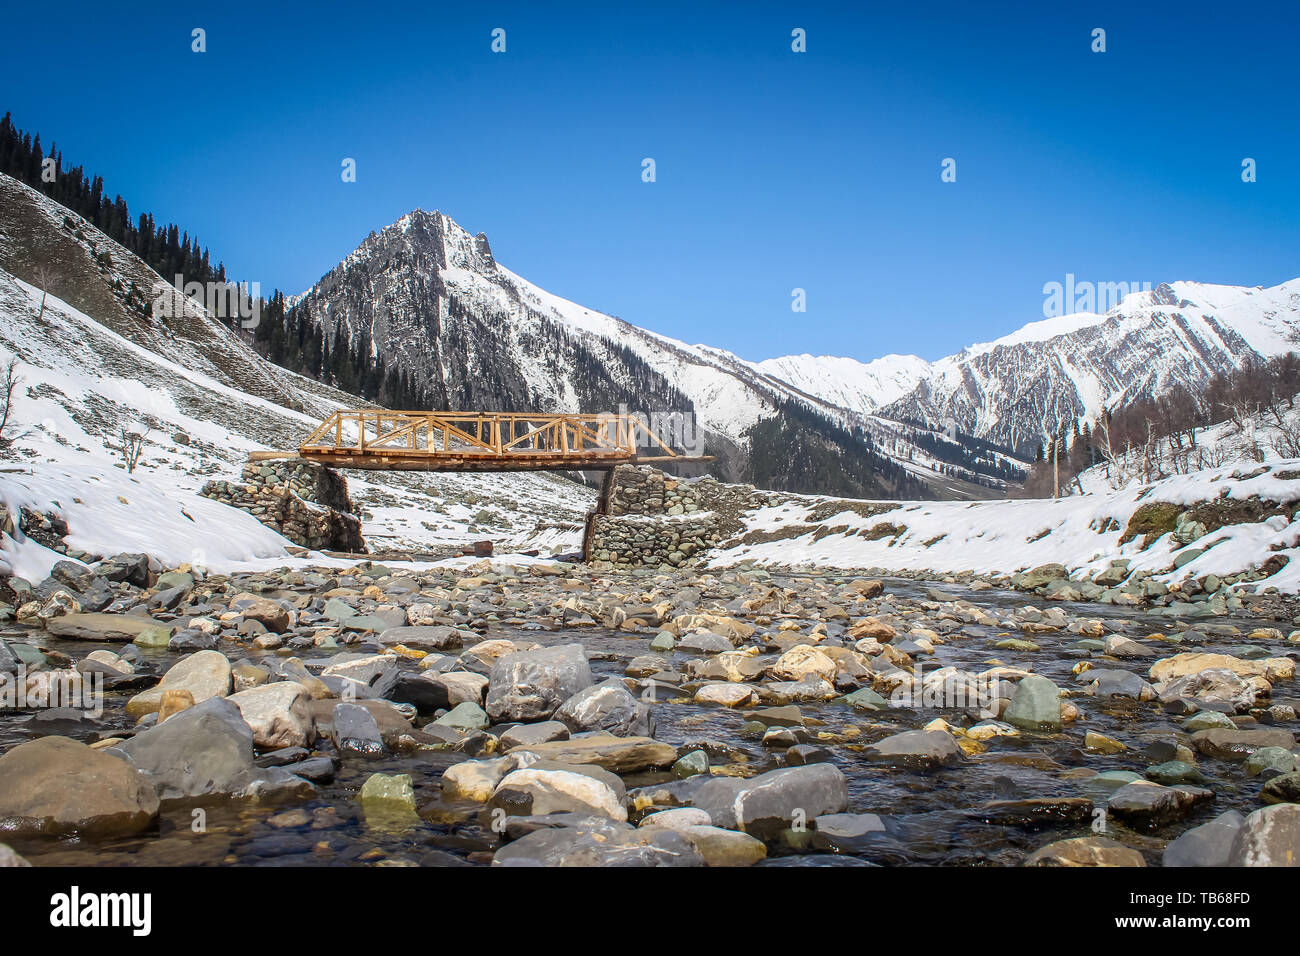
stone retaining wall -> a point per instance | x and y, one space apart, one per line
306 502
653 519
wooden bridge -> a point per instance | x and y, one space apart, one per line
379 439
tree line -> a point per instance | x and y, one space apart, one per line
1154 437
165 248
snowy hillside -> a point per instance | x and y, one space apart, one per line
203 400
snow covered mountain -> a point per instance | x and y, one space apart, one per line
425 295
1014 390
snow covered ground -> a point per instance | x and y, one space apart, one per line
1002 537
83 383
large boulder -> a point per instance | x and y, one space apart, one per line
546 787
205 674
531 685
206 752
55 786
774 800
1268 837
607 706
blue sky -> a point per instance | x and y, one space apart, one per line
775 170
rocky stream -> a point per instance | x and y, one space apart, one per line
558 715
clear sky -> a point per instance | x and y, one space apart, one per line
775 170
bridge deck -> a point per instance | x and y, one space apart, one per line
378 439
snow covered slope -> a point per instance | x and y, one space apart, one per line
1083 532
203 399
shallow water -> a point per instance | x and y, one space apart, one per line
934 811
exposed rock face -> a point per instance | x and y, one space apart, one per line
306 502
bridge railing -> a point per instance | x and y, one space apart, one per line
484 434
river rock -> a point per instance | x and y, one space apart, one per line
531 685
1282 789
114 628
9 859
523 735
1270 762
621 755
356 731
425 637
463 686
1237 745
1214 687
773 800
1210 844
1268 837
594 842
802 660
207 752
1036 705
55 786
270 614
1110 682
607 706
726 694
477 779
555 788
1086 851
1144 805
916 749
277 713
466 717
205 674
1272 669
388 801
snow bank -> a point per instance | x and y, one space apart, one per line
1002 537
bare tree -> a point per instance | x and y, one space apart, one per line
43 277
7 385
132 447
1287 441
